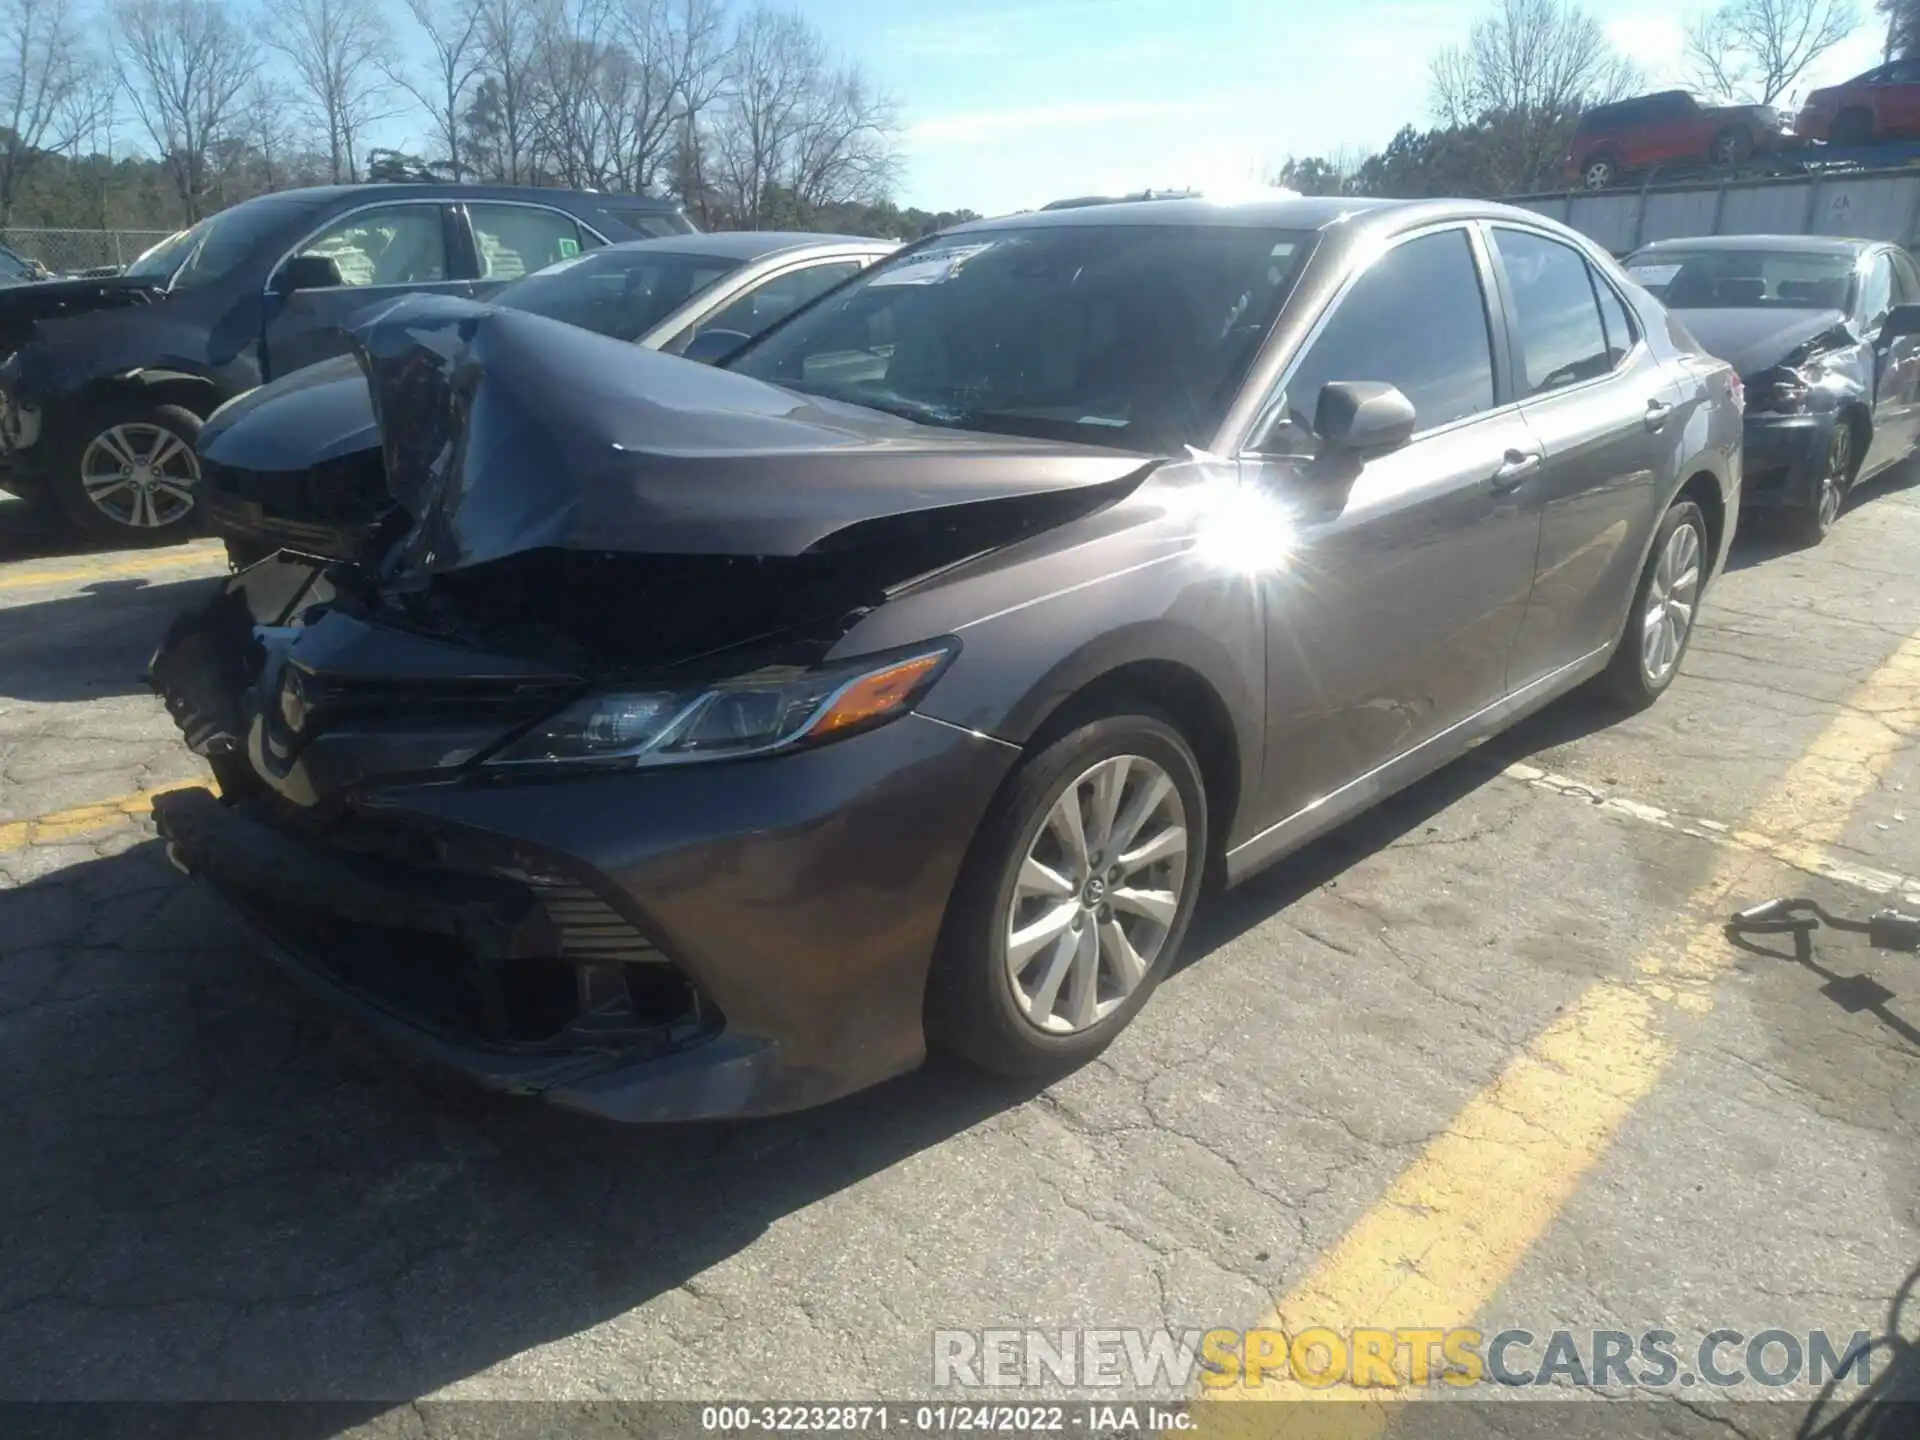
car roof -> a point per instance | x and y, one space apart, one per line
1794 244
450 190
1353 216
1293 212
750 244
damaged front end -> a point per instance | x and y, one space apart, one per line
504 781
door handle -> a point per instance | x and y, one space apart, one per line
1657 413
1514 470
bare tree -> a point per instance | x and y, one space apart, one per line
1903 27
1525 73
43 69
669 46
452 29
268 129
336 49
509 51
1754 50
697 46
185 65
91 115
844 149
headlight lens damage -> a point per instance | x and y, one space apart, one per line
750 715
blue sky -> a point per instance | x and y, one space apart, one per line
1010 103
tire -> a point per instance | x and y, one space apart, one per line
1809 525
1630 682
1732 146
1851 127
972 1007
160 511
1599 172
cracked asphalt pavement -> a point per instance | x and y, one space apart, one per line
213 1189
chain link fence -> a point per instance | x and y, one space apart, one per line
70 252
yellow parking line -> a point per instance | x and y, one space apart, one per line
83 820
132 565
1453 1227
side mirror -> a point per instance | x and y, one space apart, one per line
710 347
1361 418
308 272
1901 321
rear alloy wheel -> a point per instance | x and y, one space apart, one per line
1813 524
130 474
1074 899
1665 605
1600 172
1732 147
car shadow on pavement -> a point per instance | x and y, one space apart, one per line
219 1190
91 644
34 532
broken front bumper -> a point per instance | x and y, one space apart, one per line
703 940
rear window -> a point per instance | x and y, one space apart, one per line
1745 279
655 224
618 292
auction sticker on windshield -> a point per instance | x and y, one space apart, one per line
933 268
1652 275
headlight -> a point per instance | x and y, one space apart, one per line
750 715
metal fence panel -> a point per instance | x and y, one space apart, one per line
1878 207
1776 209
66 251
1671 213
1612 220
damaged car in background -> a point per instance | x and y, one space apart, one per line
1825 334
305 466
704 741
104 382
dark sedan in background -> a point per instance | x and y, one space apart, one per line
107 380
711 737
1825 335
300 463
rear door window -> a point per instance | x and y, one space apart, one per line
1563 340
516 240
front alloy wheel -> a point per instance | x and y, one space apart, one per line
1813 524
1598 174
1074 897
1097 895
140 475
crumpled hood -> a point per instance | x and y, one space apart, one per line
1752 340
504 433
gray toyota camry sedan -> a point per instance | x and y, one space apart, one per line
691 741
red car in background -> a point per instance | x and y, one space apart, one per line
1668 128
1883 104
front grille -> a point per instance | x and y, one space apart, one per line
491 701
350 491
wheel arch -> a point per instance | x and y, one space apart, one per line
1181 674
196 394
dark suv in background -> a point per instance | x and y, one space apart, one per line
1666 129
106 380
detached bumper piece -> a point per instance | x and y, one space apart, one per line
522 980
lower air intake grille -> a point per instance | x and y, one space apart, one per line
592 931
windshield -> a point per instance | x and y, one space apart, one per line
1127 335
212 249
619 292
1746 279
